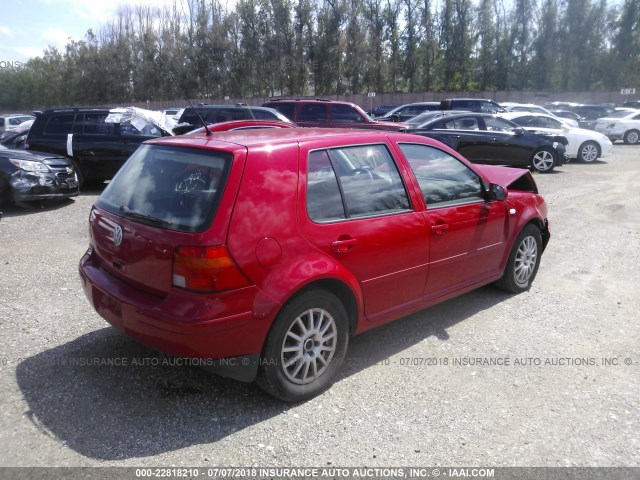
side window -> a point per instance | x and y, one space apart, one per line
497 125
443 179
94 124
353 182
287 109
488 107
263 115
313 112
60 124
344 113
468 123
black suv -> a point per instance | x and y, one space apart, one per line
472 105
223 113
97 140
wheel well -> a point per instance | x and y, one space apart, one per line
544 231
340 290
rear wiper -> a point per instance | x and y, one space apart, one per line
128 212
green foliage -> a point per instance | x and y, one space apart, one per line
198 49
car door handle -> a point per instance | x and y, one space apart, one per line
440 229
344 246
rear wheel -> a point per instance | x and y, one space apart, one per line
589 152
544 160
76 167
632 137
305 347
523 262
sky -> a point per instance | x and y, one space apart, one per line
28 27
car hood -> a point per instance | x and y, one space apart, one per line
503 176
46 158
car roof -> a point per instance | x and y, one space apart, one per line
308 100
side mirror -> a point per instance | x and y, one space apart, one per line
395 117
519 131
497 192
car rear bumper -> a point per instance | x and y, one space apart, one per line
230 344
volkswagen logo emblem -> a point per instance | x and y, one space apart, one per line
117 236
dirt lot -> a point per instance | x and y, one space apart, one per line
563 390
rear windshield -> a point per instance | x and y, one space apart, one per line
174 188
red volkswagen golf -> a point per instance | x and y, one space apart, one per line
264 251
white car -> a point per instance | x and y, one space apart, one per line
621 125
585 145
531 107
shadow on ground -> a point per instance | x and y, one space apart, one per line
145 403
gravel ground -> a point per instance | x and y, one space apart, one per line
400 400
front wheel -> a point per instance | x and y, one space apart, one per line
523 262
544 160
632 137
589 152
305 347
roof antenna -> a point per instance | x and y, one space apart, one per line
204 124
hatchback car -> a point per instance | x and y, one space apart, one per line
485 138
255 248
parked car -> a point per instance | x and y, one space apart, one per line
425 117
408 111
26 176
97 140
530 107
223 113
622 125
253 253
327 113
16 136
243 125
381 110
589 114
11 121
472 105
632 104
585 145
568 115
486 138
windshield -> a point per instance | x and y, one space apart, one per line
169 187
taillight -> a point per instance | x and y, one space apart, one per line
206 269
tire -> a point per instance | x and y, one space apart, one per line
588 152
631 137
314 329
523 262
544 160
76 167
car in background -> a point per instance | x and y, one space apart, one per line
585 145
252 254
632 104
486 138
480 105
425 117
243 125
568 115
97 140
530 107
328 114
589 114
26 176
621 125
12 121
16 136
381 110
192 117
408 111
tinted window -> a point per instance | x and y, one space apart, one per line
60 124
169 187
344 113
94 124
443 179
313 112
262 115
287 109
353 182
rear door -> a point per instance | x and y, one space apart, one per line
357 210
463 135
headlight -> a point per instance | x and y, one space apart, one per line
30 166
